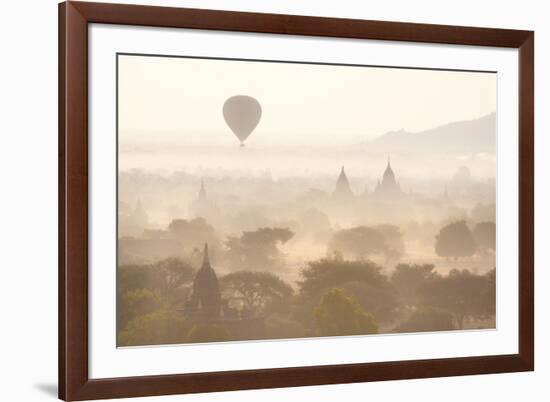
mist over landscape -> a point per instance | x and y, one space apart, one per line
297 229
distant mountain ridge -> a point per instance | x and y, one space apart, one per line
462 137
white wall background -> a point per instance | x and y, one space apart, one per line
28 202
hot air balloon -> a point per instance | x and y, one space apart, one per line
242 114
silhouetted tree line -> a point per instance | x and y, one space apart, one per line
335 296
456 240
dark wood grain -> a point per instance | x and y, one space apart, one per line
298 25
62 266
74 382
73 196
527 201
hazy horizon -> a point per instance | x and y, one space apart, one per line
170 114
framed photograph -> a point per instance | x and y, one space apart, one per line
258 200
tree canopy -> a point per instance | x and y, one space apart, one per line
161 277
266 236
359 241
485 235
340 314
463 293
427 319
194 233
380 301
393 238
134 276
136 302
172 273
332 272
254 291
146 288
157 328
314 220
257 250
455 240
408 278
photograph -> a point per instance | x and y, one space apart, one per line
266 199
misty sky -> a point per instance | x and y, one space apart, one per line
175 105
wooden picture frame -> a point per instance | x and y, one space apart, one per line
74 381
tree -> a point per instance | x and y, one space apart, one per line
133 303
172 273
157 328
381 302
340 314
395 246
266 237
427 319
314 220
464 294
455 240
485 235
194 233
134 276
326 273
278 326
257 250
360 241
319 276
407 279
135 292
143 289
254 291
208 333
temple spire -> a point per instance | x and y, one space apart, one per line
202 192
388 186
140 215
206 258
342 189
205 300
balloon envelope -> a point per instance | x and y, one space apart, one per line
242 114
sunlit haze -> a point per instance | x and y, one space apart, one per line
314 117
